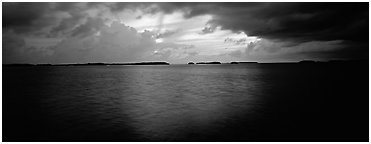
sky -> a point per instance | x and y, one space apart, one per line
182 32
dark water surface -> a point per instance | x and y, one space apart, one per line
245 102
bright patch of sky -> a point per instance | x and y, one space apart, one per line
186 31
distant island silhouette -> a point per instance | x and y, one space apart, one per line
191 63
91 64
242 62
209 63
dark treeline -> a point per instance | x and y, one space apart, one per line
166 63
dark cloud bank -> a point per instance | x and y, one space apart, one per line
291 23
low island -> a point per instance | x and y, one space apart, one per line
243 62
90 64
208 63
191 63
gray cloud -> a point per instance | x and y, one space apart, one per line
270 51
165 34
114 43
241 41
284 21
291 21
91 27
22 14
15 50
208 29
289 24
173 51
91 41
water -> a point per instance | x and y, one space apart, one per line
249 102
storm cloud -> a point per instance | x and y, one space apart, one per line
86 27
294 21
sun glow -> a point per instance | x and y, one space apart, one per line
160 40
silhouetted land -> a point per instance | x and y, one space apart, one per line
90 64
142 63
208 63
243 62
247 62
191 63
166 63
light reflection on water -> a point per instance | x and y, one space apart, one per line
244 102
153 103
170 103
